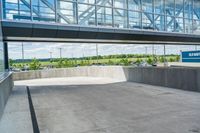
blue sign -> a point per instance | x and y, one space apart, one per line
190 56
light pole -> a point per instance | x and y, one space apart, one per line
60 49
50 53
22 51
153 53
97 54
146 48
153 50
50 61
165 61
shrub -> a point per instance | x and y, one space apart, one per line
138 61
35 64
61 63
125 62
149 61
110 62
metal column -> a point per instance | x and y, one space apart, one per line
6 59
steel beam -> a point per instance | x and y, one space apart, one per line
6 58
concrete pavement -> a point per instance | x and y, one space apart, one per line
100 105
16 117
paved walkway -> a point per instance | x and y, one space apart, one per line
96 105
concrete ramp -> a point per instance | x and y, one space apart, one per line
97 105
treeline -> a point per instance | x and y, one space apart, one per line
116 56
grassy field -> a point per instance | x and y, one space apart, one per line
58 63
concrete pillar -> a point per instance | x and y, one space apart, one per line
6 59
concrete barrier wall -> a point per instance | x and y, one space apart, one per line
6 85
111 72
180 78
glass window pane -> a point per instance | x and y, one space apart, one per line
196 26
86 14
196 14
135 20
67 11
134 5
179 25
159 6
169 7
24 10
104 16
188 9
87 1
17 11
147 6
2 68
147 21
43 11
188 26
170 23
120 4
160 22
107 3
1 58
120 18
179 8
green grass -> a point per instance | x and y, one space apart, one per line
85 62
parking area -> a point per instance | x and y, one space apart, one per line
100 105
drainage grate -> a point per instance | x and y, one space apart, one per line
32 111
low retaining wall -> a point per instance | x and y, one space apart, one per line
93 71
173 77
6 85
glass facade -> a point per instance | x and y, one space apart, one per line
181 16
2 68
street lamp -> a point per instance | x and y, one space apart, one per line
50 53
165 61
97 54
146 48
60 49
23 51
153 50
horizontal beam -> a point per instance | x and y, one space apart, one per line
92 41
45 32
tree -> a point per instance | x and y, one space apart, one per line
171 59
61 63
51 60
177 58
11 62
35 64
82 63
110 62
150 61
138 61
125 62
155 60
162 59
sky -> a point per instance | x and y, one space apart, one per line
42 50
